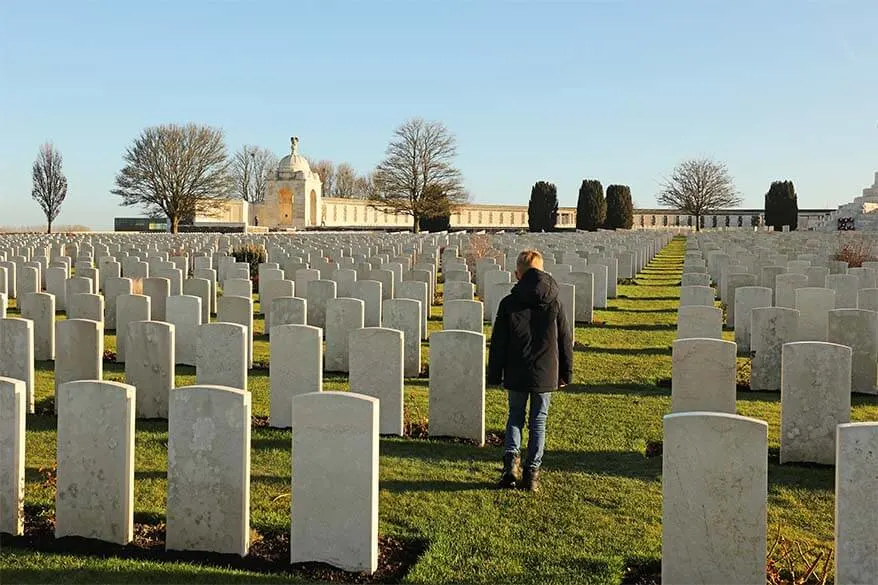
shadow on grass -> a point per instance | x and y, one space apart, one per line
623 350
639 390
616 463
643 327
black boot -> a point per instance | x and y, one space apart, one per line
511 471
531 480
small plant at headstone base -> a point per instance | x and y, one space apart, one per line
110 356
743 371
789 562
855 252
251 254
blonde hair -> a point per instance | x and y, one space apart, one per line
529 259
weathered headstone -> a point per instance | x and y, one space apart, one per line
770 329
184 313
814 305
13 408
158 290
343 316
95 464
457 385
369 291
319 294
376 369
815 398
79 351
295 367
150 366
129 308
714 499
856 516
857 329
405 315
699 321
335 480
697 295
221 355
699 359
748 298
208 505
237 310
40 308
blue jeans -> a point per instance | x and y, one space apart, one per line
539 412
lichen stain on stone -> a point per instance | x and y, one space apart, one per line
204 432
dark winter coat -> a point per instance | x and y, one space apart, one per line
531 345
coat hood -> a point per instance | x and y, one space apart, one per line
536 288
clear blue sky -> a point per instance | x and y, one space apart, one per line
561 91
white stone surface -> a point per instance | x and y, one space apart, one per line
858 329
417 291
79 351
289 311
40 308
376 369
221 355
601 286
238 310
748 298
129 308
695 279
200 288
13 408
770 329
86 306
856 515
158 290
699 360
699 321
703 296
714 491
786 286
584 290
295 367
463 315
457 385
184 313
150 366
208 505
113 287
814 305
95 462
815 398
867 299
318 295
733 283
369 291
343 316
335 480
846 287
271 290
405 315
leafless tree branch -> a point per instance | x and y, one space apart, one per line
699 187
177 171
49 183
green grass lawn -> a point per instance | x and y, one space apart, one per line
598 514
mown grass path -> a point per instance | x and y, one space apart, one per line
600 509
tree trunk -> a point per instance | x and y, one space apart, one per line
174 220
49 228
697 223
416 224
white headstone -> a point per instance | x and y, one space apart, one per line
714 499
221 355
94 496
376 369
335 482
696 360
815 397
405 315
856 515
342 317
150 366
295 367
457 385
208 505
13 408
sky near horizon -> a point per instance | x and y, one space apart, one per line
620 91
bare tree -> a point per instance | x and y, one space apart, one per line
252 167
417 176
699 187
345 181
50 184
326 170
175 170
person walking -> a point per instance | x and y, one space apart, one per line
531 354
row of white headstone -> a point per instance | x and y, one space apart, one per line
718 460
334 469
